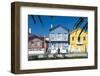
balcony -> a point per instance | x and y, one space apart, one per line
79 43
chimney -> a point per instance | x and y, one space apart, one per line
51 26
30 31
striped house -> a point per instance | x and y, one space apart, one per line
58 39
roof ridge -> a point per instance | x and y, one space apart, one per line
77 29
57 27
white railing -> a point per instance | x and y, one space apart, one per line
36 52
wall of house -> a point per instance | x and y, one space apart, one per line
59 34
36 43
58 40
78 45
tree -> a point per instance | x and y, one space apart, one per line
78 23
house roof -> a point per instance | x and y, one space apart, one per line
34 37
57 27
76 30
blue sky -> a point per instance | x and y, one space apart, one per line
42 29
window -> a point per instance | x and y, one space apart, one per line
84 38
52 36
38 43
78 39
65 46
35 43
65 33
59 36
53 46
73 38
32 42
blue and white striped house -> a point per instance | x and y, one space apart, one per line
58 39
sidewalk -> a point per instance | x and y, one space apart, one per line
58 56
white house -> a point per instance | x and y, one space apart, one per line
58 39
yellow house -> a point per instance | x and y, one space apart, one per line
78 43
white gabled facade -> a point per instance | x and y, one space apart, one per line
58 39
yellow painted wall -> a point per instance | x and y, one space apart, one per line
74 44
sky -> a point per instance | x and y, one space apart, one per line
40 24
